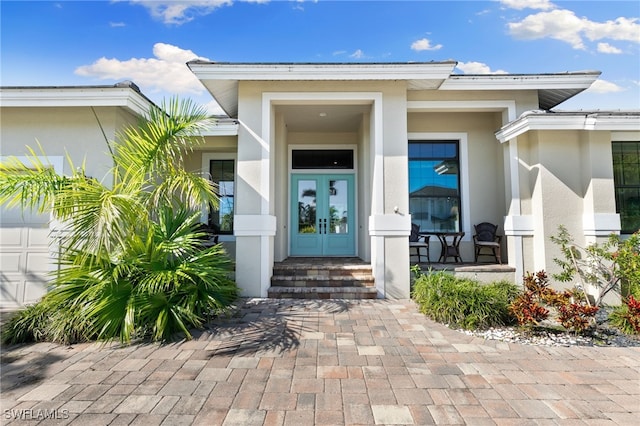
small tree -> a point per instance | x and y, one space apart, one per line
607 267
132 260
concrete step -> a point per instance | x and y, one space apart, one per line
322 281
353 271
322 292
322 278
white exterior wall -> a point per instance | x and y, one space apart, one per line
566 179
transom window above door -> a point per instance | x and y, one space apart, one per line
322 159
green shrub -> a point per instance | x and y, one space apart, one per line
463 302
157 286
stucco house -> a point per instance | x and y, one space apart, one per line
336 161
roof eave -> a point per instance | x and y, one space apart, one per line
553 89
120 95
579 120
221 79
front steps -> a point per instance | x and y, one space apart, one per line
322 278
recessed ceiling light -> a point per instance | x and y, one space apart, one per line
323 114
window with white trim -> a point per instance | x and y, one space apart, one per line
626 178
222 173
434 185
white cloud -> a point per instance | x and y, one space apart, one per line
358 54
166 72
603 86
627 29
564 25
424 44
528 4
178 12
558 24
477 68
117 24
607 48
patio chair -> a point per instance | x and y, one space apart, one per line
486 238
418 242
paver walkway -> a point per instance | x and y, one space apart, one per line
321 362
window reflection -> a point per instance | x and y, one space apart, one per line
626 177
434 185
307 206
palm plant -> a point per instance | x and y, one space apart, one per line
131 258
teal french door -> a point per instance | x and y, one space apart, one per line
322 215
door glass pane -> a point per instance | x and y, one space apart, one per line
307 206
338 198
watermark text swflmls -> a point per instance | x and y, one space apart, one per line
36 414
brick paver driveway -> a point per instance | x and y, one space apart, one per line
321 362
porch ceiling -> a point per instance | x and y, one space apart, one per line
323 118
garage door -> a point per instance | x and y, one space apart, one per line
25 259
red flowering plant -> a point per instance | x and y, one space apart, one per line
539 301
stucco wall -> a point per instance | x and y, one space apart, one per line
526 100
63 131
567 179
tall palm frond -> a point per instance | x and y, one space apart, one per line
30 186
158 145
184 188
95 218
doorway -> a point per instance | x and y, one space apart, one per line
322 215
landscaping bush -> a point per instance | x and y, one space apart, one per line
627 316
463 302
570 308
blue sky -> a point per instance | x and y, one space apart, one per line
103 42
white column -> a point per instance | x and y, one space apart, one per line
516 226
254 226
